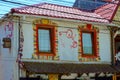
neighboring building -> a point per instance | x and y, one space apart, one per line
90 5
56 42
116 20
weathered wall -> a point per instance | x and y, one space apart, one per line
65 50
104 41
8 65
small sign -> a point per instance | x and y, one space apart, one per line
6 43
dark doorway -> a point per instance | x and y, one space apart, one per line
103 78
117 48
118 78
30 79
23 78
117 42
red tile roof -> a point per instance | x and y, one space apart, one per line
57 11
107 11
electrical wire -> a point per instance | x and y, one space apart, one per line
16 5
64 1
23 1
49 9
27 22
5 5
48 1
27 4
2 14
3 2
61 1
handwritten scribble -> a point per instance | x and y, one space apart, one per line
9 29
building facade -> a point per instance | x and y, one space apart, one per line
48 41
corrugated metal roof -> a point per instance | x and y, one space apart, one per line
44 67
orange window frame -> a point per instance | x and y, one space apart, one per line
94 45
52 39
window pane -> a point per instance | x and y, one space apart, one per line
44 40
87 43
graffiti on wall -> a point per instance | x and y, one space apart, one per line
68 44
8 28
70 35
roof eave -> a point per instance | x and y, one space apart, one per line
71 20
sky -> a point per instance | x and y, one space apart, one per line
5 5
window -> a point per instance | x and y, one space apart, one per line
88 43
45 39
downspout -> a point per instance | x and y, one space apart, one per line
18 38
112 34
112 47
18 44
112 50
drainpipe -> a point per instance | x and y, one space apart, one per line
112 46
18 44
112 33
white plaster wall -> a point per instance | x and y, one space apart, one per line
65 50
8 68
1 71
68 44
8 65
104 41
4 52
28 40
9 52
15 40
104 45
